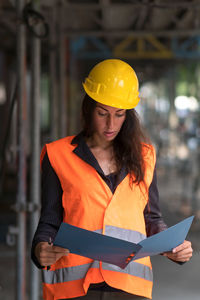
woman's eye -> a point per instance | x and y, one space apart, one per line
101 114
120 115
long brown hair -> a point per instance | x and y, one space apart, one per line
128 143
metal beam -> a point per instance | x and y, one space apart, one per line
147 47
158 49
139 4
131 33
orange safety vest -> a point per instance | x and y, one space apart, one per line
89 203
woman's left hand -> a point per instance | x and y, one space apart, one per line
181 253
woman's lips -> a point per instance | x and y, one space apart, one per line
109 133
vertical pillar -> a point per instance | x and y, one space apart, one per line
53 78
21 188
172 121
35 152
62 73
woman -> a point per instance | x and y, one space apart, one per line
103 180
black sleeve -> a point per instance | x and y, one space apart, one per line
152 214
51 207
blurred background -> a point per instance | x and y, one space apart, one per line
47 48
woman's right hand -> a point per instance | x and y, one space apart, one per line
47 254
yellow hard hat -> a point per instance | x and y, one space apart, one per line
113 82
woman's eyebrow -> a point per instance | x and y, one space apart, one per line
102 107
108 110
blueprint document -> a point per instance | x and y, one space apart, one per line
117 251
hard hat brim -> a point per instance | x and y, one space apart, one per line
113 101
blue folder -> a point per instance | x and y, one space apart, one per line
117 251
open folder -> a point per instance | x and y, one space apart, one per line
116 251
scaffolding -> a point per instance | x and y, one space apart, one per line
66 47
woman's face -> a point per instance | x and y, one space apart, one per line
107 121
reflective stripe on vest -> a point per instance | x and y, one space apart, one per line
124 234
79 272
133 268
67 274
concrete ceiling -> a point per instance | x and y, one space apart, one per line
109 19
102 16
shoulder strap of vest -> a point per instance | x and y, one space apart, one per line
59 143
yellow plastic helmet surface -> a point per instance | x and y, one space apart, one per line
113 82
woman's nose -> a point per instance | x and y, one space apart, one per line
110 121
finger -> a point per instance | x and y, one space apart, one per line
53 256
50 259
60 250
181 247
184 251
181 259
50 248
184 245
184 255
